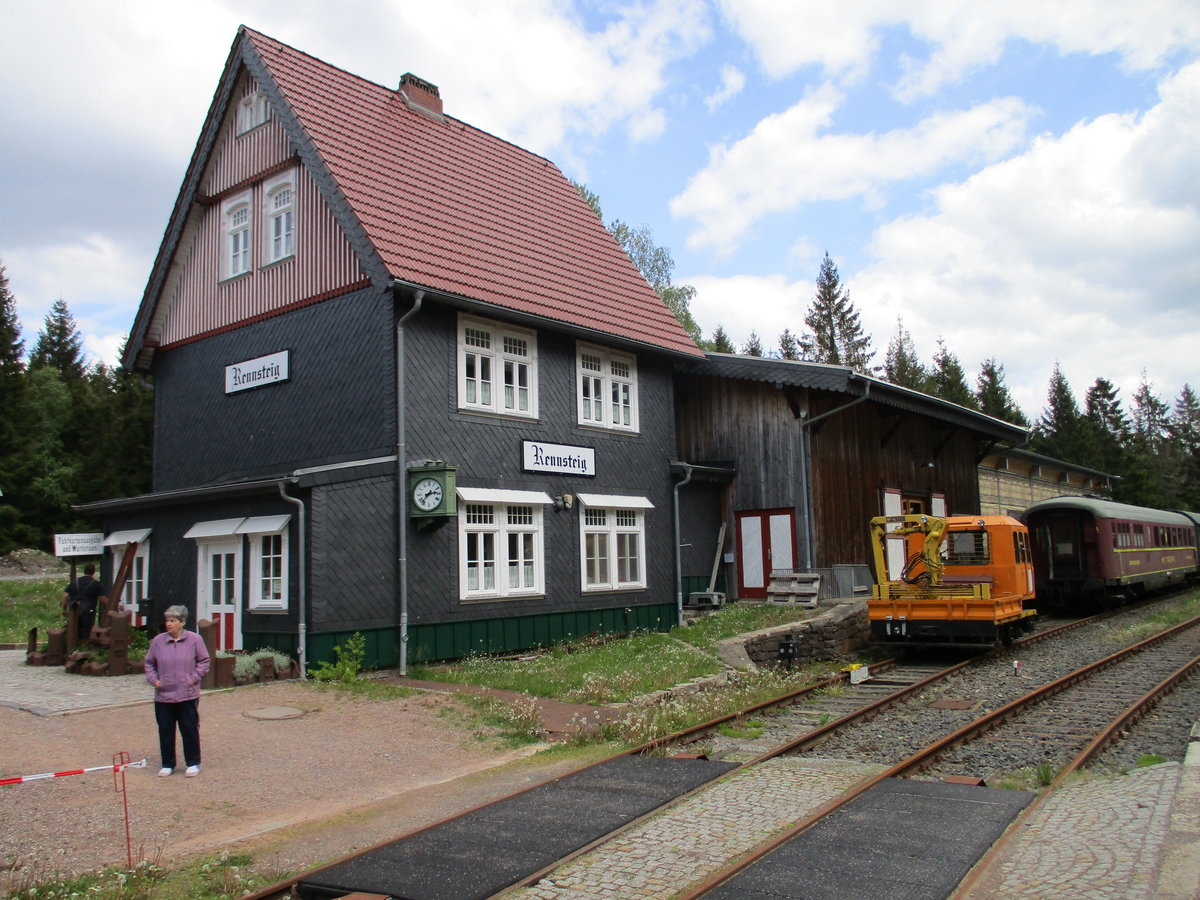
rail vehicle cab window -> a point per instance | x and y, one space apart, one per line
1021 552
966 548
912 506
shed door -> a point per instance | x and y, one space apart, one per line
766 541
219 582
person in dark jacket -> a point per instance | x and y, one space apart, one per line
80 599
175 663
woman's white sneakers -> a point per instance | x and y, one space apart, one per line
192 771
163 773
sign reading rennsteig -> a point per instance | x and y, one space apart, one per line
539 457
79 544
257 372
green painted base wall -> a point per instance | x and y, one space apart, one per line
454 640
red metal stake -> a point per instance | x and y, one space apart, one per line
120 763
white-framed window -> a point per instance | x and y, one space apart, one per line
268 581
237 230
612 542
500 544
252 111
497 368
607 388
279 218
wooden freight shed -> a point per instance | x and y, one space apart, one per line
406 384
815 451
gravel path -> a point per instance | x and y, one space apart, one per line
390 763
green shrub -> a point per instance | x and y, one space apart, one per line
349 662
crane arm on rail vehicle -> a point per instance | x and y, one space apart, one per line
885 528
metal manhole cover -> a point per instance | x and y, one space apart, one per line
274 713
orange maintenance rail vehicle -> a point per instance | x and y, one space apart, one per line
953 580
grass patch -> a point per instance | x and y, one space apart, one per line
594 672
500 723
1160 620
26 604
222 876
1150 759
735 619
750 729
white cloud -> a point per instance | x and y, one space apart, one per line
1082 250
785 162
842 40
732 82
765 304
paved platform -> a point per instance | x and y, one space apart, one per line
50 691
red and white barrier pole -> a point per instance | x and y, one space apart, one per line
120 763
20 779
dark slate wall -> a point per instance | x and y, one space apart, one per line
487 450
339 403
354 553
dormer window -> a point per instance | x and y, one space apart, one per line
236 222
252 112
279 227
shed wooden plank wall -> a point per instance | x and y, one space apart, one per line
857 454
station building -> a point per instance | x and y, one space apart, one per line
408 385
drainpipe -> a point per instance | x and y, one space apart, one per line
678 553
401 476
806 468
302 590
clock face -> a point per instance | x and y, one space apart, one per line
427 494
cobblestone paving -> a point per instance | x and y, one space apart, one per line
48 690
690 840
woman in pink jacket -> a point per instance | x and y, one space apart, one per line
175 663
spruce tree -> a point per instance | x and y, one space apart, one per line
788 348
16 428
1060 431
993 395
1109 429
948 380
1152 475
753 345
837 335
1185 434
720 342
901 365
59 345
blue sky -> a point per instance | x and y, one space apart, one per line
1021 181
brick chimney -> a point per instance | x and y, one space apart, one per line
420 95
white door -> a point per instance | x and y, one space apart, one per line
219 590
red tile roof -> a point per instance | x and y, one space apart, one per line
453 208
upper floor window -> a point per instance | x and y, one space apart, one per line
497 368
279 226
236 232
252 111
607 382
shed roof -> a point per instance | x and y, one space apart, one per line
843 380
437 203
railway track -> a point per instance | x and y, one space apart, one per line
1064 724
772 786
